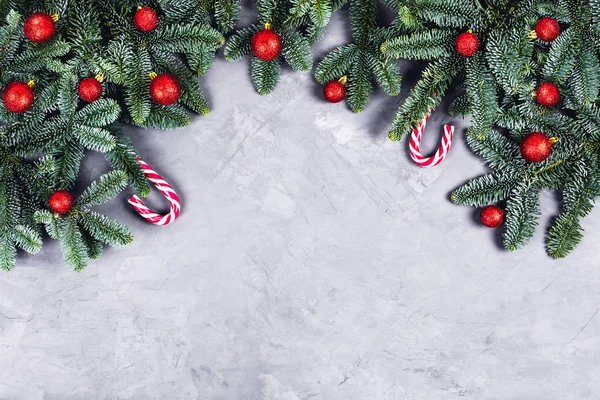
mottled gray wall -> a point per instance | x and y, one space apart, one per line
313 260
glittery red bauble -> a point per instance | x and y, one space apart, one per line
492 216
467 44
547 29
548 94
39 27
61 202
536 147
17 97
90 89
165 89
145 19
266 44
334 91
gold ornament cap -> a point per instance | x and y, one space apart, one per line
268 26
54 17
533 35
31 83
152 75
343 80
99 78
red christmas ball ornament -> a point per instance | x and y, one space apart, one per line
90 89
164 89
547 29
547 94
61 202
335 91
145 19
18 96
467 44
492 216
536 147
39 27
266 44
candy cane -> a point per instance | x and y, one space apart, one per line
165 189
442 151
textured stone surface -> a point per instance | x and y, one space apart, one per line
312 260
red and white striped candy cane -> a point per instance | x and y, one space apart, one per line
166 190
442 151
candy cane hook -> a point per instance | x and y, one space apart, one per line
442 151
165 189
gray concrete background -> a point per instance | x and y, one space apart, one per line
312 260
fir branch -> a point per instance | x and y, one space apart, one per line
296 51
359 83
27 238
238 45
460 106
98 114
9 42
508 58
93 138
551 9
267 11
123 157
561 57
136 85
578 197
67 95
71 243
51 226
387 75
585 82
406 15
299 8
227 14
522 212
336 64
589 120
167 117
93 246
121 56
8 253
178 10
201 61
500 152
426 45
265 75
576 12
451 14
363 20
595 8
68 160
186 38
105 230
320 12
43 217
426 96
10 206
482 95
104 189
35 58
487 189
